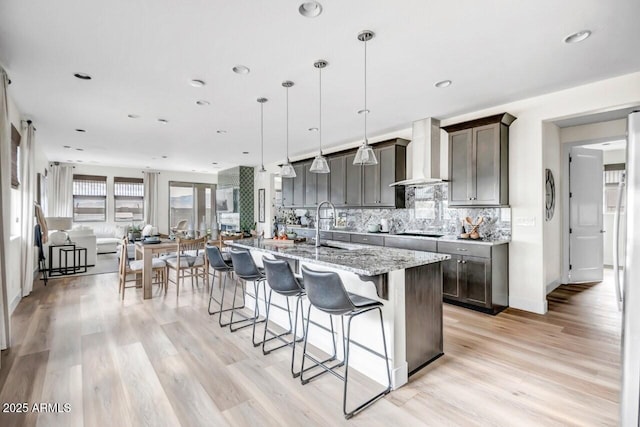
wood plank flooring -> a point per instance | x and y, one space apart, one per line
165 362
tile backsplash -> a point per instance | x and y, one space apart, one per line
426 210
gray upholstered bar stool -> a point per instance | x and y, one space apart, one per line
282 281
219 265
326 292
247 271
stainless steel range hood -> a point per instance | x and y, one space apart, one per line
425 154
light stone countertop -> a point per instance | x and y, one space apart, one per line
446 238
360 259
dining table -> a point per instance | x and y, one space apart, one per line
145 251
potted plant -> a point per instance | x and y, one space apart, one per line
134 232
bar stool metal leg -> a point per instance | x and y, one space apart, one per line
249 320
221 302
318 363
360 407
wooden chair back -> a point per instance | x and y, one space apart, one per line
196 245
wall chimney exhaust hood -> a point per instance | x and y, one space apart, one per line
425 156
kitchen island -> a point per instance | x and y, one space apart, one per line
408 283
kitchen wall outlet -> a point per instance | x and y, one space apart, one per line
526 221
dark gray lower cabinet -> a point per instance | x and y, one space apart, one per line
476 276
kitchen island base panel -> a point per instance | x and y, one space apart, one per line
366 349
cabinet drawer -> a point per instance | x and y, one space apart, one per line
465 249
342 237
327 235
367 240
411 244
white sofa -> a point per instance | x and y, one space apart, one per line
109 238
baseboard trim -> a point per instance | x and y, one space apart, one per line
14 303
553 285
539 307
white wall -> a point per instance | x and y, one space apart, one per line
14 288
527 287
163 188
552 230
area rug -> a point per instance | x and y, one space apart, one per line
105 263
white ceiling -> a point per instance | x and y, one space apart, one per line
143 53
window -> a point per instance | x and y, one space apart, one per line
190 203
128 195
15 157
89 198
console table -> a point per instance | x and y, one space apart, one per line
65 267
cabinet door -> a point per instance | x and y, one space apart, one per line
371 183
310 186
477 281
451 277
287 192
387 175
322 186
460 173
353 187
298 185
486 165
337 181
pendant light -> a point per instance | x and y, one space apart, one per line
365 155
287 171
262 101
320 164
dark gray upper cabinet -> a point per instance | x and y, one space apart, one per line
391 167
297 199
353 184
349 185
337 180
479 161
316 187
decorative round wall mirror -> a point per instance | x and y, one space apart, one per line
550 195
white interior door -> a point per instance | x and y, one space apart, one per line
585 215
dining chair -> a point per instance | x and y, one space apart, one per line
127 267
189 261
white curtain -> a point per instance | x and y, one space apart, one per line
27 194
151 198
61 191
5 207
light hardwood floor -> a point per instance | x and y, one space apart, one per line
165 361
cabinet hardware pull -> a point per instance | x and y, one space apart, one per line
459 262
464 262
462 249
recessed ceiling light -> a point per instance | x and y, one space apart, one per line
363 111
80 130
443 83
606 143
310 9
197 83
577 37
79 161
82 76
163 121
79 149
164 157
313 129
214 163
148 167
193 170
221 131
66 146
245 152
133 116
241 69
202 102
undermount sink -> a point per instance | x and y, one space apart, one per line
342 246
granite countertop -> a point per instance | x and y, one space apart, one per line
446 238
360 259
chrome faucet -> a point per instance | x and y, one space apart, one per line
318 218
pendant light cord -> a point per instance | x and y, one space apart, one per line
320 120
366 113
262 135
287 124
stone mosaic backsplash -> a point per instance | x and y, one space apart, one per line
427 211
